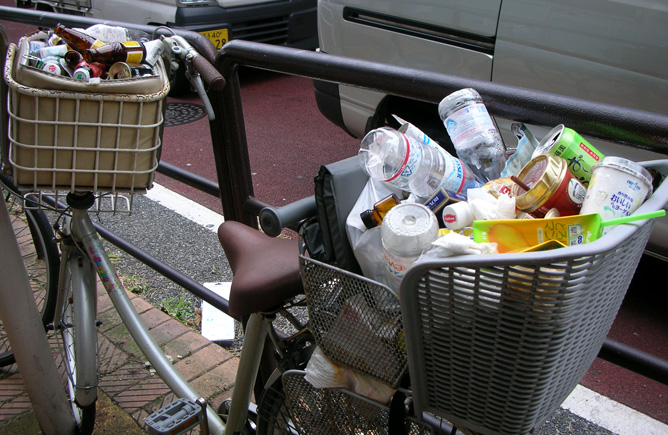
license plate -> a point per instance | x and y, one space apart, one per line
217 37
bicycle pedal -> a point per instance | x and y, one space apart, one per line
176 418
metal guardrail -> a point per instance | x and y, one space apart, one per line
634 128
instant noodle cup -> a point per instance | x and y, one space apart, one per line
617 188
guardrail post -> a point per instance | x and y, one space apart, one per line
21 322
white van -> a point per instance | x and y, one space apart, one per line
291 23
602 50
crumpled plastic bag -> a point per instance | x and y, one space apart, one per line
486 206
452 244
322 372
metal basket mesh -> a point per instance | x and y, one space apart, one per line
335 411
356 321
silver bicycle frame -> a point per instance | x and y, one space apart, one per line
84 233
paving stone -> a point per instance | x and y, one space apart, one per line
153 318
202 361
110 319
140 304
141 394
217 380
111 356
124 378
184 345
168 331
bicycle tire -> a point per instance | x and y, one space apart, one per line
76 325
273 416
36 241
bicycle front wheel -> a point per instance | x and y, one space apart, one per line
76 325
39 251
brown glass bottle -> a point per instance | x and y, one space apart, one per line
374 217
78 41
131 52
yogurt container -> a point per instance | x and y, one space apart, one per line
617 188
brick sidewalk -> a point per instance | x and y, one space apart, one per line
125 377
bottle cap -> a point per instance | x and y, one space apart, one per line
81 73
408 229
367 219
457 215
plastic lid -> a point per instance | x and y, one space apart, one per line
627 166
408 229
367 219
457 215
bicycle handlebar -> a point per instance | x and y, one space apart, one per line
181 48
274 219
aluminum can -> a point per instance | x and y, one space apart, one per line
551 185
120 70
51 65
85 71
567 143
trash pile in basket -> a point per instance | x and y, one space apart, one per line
422 201
96 53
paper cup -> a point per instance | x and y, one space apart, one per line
617 188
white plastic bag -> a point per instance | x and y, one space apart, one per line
367 245
322 372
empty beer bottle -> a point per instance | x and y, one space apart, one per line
78 41
374 216
132 52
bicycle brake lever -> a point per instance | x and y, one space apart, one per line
194 78
179 47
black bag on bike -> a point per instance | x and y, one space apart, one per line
337 187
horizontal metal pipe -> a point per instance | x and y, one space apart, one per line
204 184
622 125
635 360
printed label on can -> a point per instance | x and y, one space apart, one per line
576 191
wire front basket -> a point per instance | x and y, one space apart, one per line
356 321
66 135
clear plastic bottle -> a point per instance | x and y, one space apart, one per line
473 133
417 166
407 231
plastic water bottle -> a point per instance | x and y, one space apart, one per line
473 133
407 230
421 167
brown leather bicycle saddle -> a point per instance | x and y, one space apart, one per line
266 269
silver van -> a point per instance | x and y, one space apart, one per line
602 50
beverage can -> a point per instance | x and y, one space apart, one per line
551 185
568 144
51 65
618 187
120 70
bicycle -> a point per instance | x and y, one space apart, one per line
71 293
